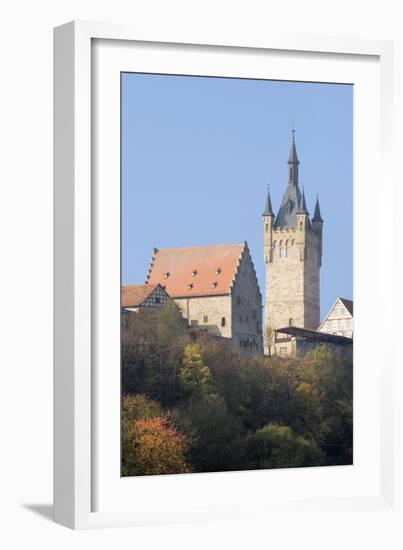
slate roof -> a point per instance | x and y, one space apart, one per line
302 206
287 214
135 295
348 304
196 270
317 217
268 210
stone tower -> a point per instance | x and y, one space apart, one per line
292 244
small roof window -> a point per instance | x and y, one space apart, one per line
218 271
190 286
213 285
166 274
194 273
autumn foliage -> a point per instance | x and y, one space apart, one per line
197 406
154 446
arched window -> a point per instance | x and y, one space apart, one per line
280 245
286 248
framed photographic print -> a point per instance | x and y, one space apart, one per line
218 231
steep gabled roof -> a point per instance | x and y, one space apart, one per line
196 270
348 304
135 295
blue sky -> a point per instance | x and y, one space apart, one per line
198 154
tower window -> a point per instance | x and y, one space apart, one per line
223 321
267 227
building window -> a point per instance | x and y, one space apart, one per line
205 319
157 300
267 227
194 322
238 300
290 322
223 321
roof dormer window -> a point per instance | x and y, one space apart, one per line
218 271
166 274
213 285
190 286
194 273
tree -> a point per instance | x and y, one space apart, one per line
153 446
194 376
214 434
275 446
329 383
152 350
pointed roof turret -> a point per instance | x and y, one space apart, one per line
317 217
287 214
292 157
302 205
268 210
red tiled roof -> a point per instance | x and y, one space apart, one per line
197 270
134 295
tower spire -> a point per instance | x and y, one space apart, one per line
317 217
268 210
302 205
293 161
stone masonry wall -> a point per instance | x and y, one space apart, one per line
293 257
247 309
208 312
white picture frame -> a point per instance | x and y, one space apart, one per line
81 431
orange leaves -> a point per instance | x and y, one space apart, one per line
154 446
